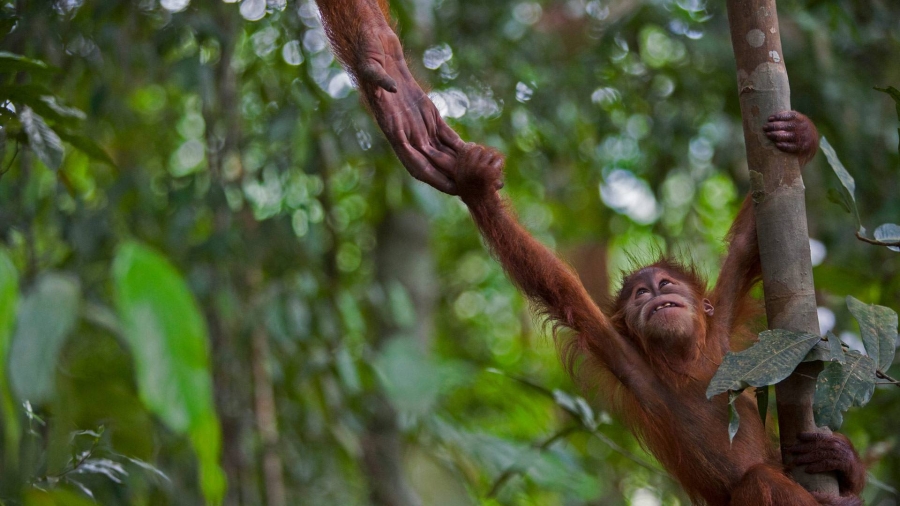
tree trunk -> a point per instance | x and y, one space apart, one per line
267 419
403 259
778 196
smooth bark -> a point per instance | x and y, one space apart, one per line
778 196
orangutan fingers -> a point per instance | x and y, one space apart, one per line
786 126
835 500
809 437
820 455
418 167
449 137
443 162
824 466
784 116
781 135
787 147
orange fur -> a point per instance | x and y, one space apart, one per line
661 396
658 387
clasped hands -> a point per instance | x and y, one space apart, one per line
431 151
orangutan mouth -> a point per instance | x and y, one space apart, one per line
663 306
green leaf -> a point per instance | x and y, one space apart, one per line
41 138
767 362
87 146
840 199
734 418
165 329
9 300
878 326
10 62
824 350
895 94
577 407
846 179
46 316
819 353
836 352
43 102
841 386
888 232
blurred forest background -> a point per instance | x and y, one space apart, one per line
214 270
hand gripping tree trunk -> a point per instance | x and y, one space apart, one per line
778 196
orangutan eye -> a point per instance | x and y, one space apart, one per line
641 291
664 283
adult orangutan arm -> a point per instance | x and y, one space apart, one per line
365 43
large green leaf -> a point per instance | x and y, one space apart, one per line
849 185
878 326
9 300
767 362
45 318
165 329
41 138
842 385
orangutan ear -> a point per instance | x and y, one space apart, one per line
708 307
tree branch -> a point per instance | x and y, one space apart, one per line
875 241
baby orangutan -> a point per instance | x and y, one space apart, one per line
662 339
659 343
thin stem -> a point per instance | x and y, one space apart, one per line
625 453
888 380
875 241
513 470
13 159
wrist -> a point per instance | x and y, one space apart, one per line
483 197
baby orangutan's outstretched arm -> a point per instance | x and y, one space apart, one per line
548 282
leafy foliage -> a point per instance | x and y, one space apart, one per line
878 326
887 234
45 318
41 138
842 385
167 334
773 358
847 380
